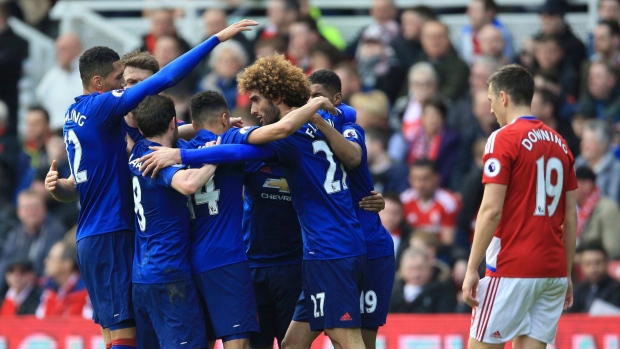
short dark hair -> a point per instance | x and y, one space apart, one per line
489 5
516 81
595 246
437 103
585 173
207 104
97 61
424 162
292 5
40 109
614 27
333 54
326 78
547 38
310 22
154 115
141 60
423 11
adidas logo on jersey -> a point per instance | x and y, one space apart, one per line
346 317
496 334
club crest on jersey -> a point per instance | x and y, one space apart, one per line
245 129
350 133
492 167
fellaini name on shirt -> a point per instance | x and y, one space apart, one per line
536 135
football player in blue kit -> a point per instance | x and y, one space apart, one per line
219 262
101 180
380 264
166 302
334 249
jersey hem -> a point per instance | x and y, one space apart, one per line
202 270
332 258
368 257
105 232
255 264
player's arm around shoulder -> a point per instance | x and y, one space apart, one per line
189 181
61 189
290 123
348 152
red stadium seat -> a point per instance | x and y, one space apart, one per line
613 268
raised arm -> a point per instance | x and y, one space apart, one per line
569 237
350 153
163 157
61 189
290 123
189 181
179 68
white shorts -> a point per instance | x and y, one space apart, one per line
511 307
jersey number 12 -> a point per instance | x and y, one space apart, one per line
545 188
79 176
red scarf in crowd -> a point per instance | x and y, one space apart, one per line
423 147
586 210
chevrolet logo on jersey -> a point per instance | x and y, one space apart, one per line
279 184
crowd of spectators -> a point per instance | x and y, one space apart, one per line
421 99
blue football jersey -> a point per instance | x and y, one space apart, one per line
162 222
217 237
320 189
271 230
132 132
97 153
379 243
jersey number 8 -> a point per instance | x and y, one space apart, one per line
137 198
545 188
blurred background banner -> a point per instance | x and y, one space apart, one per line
401 332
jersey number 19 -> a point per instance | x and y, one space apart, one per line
545 188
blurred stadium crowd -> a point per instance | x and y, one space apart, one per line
421 99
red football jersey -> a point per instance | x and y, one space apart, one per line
535 163
440 211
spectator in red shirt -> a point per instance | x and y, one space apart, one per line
428 207
65 292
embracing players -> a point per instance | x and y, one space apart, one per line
526 224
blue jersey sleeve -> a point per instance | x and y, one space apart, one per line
350 114
237 135
354 134
164 177
121 102
227 153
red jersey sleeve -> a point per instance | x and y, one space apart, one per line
498 158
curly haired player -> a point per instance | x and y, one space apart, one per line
334 253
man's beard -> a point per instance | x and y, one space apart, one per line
271 114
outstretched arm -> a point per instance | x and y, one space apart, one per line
163 157
178 69
290 123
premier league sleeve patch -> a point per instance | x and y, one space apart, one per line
350 133
118 93
245 129
492 167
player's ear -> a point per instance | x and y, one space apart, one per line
225 119
97 82
278 101
337 98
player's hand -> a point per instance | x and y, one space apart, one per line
325 104
161 157
568 301
470 287
212 143
52 178
373 203
236 122
235 29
